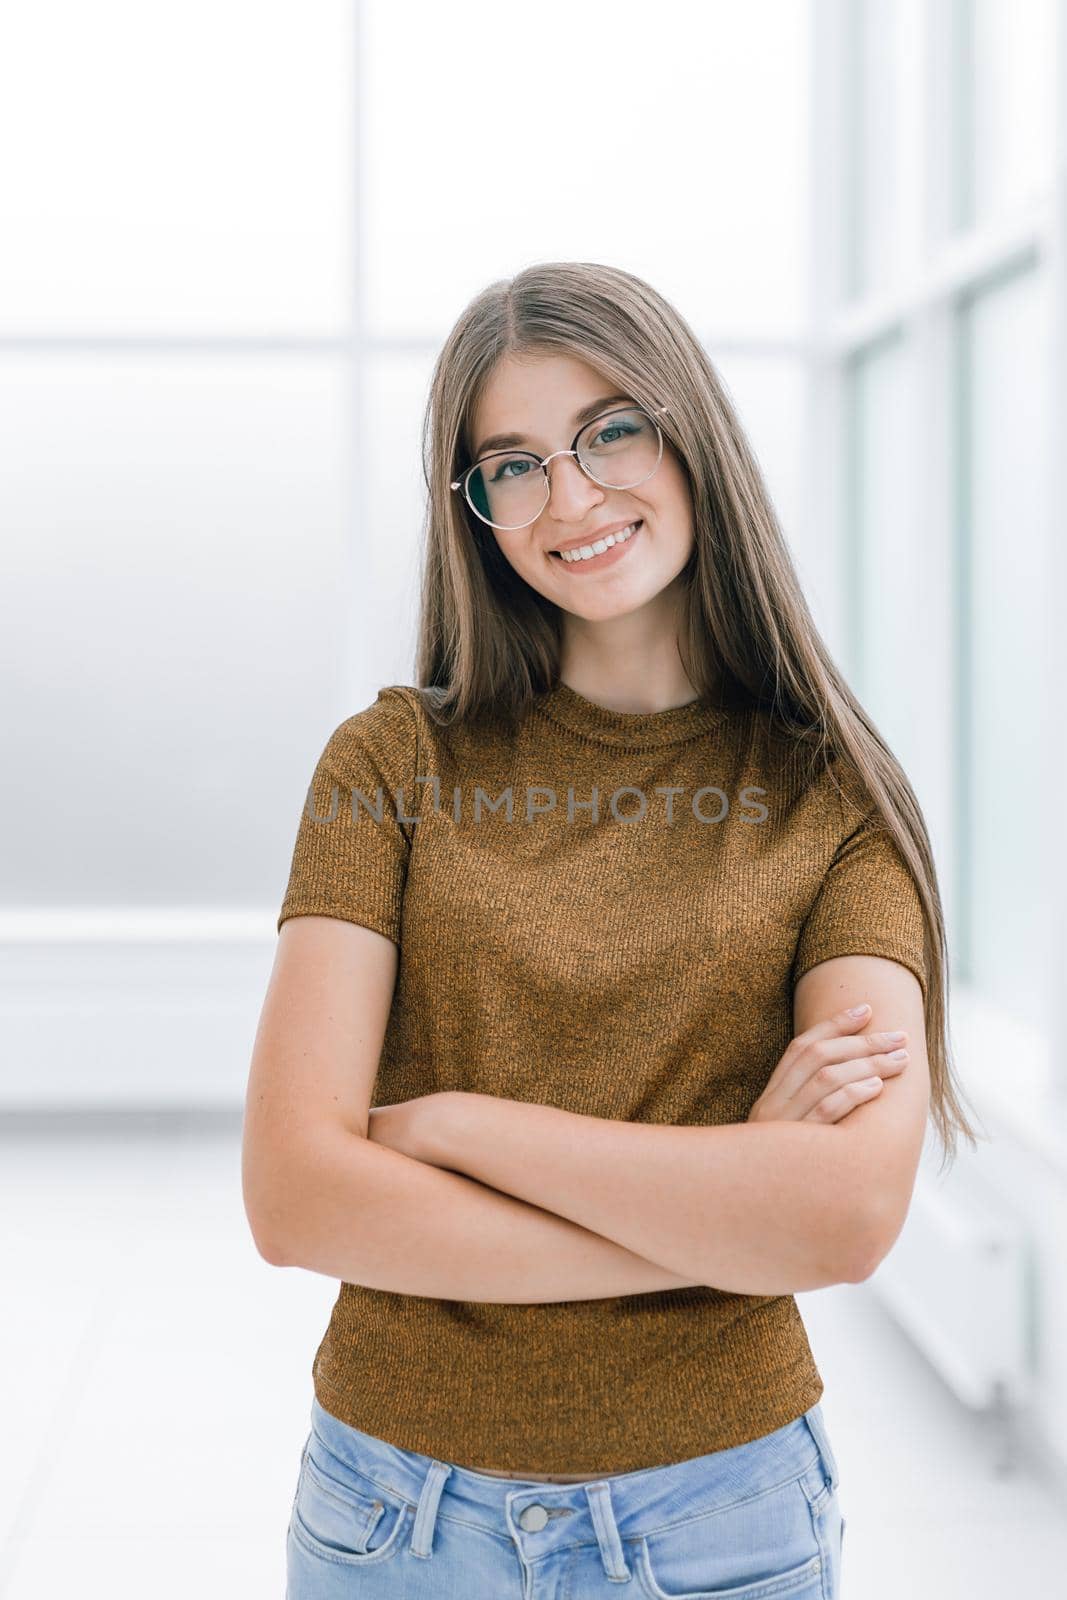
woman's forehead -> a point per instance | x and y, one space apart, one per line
537 395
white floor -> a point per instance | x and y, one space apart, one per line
157 1379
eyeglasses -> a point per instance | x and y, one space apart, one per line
619 449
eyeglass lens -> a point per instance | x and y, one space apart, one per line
510 488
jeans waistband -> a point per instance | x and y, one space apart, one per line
623 1506
543 1477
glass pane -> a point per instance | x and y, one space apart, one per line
1014 56
181 167
870 167
1006 334
883 551
624 135
175 612
898 606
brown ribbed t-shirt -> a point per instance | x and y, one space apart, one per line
636 964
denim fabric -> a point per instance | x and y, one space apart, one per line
754 1522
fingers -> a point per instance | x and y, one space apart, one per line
833 1107
824 1072
782 1080
828 1057
833 1041
841 1022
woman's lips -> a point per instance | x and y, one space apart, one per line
607 558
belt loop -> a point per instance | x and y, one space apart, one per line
817 1425
426 1514
607 1532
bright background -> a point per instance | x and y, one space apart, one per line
234 236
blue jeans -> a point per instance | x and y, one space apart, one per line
753 1522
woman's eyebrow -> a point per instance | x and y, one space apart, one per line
508 441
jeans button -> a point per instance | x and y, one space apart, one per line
533 1518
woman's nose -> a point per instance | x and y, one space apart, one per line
570 490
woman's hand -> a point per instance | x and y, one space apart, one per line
826 1072
410 1126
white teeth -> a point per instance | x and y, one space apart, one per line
587 551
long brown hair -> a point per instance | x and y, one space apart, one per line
488 643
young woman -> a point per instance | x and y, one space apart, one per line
621 918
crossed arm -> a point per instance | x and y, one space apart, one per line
543 1204
751 1208
786 1197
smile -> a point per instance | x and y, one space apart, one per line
601 553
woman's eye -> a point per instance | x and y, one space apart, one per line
615 428
501 471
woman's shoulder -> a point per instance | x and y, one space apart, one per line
405 724
382 735
817 783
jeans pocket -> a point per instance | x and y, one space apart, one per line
759 1548
342 1517
803 1582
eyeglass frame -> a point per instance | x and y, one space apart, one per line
464 477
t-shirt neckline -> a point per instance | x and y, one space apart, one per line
636 729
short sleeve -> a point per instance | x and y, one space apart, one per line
867 904
351 854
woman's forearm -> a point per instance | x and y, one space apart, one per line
358 1211
753 1208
